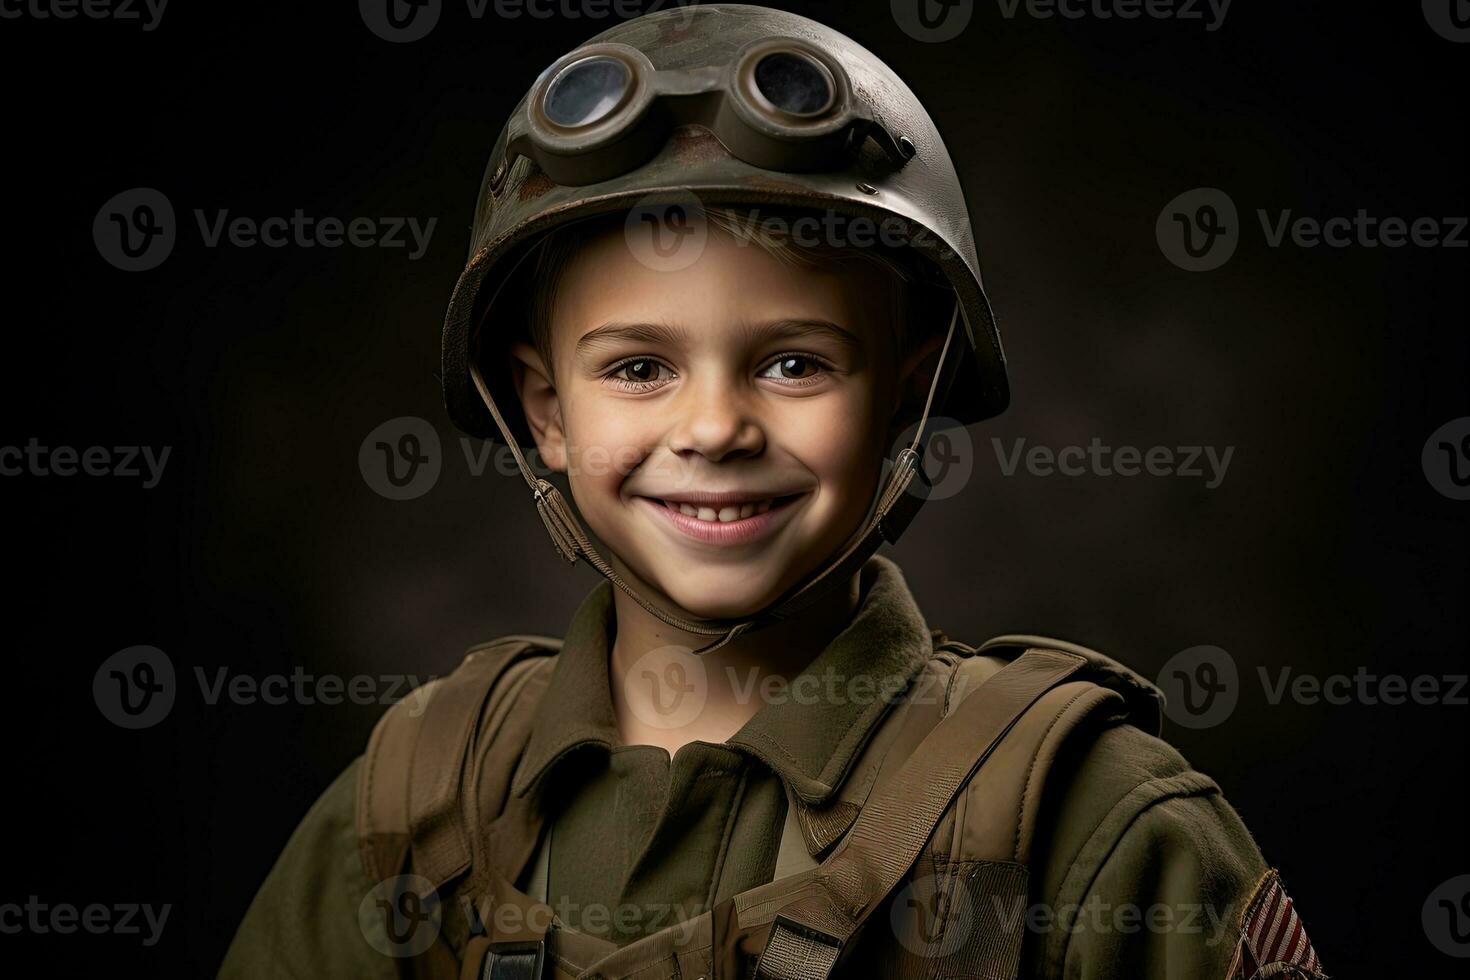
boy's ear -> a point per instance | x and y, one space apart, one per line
540 404
915 375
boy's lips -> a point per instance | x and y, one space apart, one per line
722 518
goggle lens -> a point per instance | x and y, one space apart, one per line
586 91
793 83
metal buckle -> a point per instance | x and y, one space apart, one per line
516 960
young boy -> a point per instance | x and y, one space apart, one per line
721 267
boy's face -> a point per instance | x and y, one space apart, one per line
723 426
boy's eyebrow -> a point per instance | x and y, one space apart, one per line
807 327
638 333
658 333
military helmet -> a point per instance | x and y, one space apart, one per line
727 105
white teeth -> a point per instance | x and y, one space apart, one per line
724 515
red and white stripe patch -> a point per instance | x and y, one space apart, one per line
1272 937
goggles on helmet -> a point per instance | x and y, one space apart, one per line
780 104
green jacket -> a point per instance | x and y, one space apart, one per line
1140 867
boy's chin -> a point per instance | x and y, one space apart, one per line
720 594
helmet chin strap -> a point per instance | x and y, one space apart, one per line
895 509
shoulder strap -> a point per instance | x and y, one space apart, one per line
408 793
809 935
1144 700
987 758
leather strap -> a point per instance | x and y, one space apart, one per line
894 511
808 937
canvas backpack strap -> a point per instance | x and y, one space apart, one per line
412 812
974 924
808 936
409 789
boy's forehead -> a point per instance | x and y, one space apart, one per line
730 286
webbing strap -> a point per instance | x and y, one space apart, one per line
795 952
441 841
901 815
506 961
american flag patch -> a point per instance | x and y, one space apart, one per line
1273 941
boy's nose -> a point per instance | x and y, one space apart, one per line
715 422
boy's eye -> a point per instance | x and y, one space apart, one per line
792 367
640 373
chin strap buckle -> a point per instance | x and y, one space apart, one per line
901 499
554 514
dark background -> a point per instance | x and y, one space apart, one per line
263 549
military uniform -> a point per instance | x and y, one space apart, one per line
1140 868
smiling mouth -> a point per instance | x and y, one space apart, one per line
726 513
708 519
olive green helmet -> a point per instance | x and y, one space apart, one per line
725 105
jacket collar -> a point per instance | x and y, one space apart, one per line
810 737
